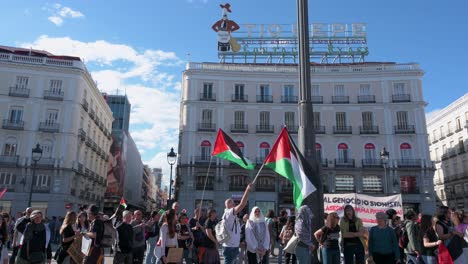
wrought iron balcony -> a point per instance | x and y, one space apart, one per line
264 98
372 163
49 127
207 97
82 134
19 92
289 99
342 129
265 187
53 95
13 124
324 163
201 186
341 163
401 98
84 104
319 129
265 129
239 98
366 130
41 189
405 129
317 99
8 161
409 163
89 141
239 128
209 127
340 99
46 163
366 99
202 159
292 129
92 114
237 187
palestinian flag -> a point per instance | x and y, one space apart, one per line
123 203
226 148
286 160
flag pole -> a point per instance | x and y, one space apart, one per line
206 181
258 173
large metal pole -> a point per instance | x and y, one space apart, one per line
169 203
306 121
32 182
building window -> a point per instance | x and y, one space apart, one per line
239 92
47 149
264 90
399 89
206 203
317 120
265 183
15 115
315 90
339 90
9 149
21 82
344 183
364 89
449 127
241 146
203 182
442 133
264 120
367 120
343 154
205 150
372 184
56 86
239 119
237 182
51 116
402 119
458 124
406 151
408 185
289 120
264 150
41 181
207 116
288 90
341 120
7 178
318 151
207 90
369 151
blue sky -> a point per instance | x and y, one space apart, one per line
141 46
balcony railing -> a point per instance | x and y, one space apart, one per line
348 163
264 188
89 141
317 99
400 98
236 187
410 190
292 129
13 124
19 92
342 129
264 99
239 98
368 130
41 189
324 163
265 129
289 99
202 159
286 189
82 134
92 114
340 99
372 163
207 97
408 129
200 187
46 163
53 95
239 128
6 160
49 127
319 129
84 104
210 127
366 99
409 163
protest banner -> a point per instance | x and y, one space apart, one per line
366 206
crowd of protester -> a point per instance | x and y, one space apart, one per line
255 238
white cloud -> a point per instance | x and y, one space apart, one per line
59 13
147 79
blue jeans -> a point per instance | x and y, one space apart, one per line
353 250
331 256
280 252
303 255
411 259
150 258
230 254
187 256
429 259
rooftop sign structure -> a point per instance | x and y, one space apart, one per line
278 43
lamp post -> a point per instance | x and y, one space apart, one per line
171 159
384 155
36 156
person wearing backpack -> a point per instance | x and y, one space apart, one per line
383 245
413 247
286 234
231 246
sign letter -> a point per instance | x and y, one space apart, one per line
338 29
319 30
359 30
274 30
249 29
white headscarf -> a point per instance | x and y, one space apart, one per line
254 219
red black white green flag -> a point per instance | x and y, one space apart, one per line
226 148
286 160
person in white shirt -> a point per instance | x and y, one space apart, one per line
231 247
168 234
257 238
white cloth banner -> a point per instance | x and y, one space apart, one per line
366 206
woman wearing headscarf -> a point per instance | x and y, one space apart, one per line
35 247
257 237
303 230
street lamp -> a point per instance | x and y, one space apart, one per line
384 155
171 159
36 156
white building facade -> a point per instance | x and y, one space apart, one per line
51 101
359 109
448 139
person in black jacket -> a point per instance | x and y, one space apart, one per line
123 254
96 233
35 247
